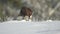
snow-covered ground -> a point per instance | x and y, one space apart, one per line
23 27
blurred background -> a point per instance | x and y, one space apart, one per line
42 9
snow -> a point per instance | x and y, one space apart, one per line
28 27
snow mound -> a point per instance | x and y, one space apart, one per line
28 27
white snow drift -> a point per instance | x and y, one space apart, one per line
23 27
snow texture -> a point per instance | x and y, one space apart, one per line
28 27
